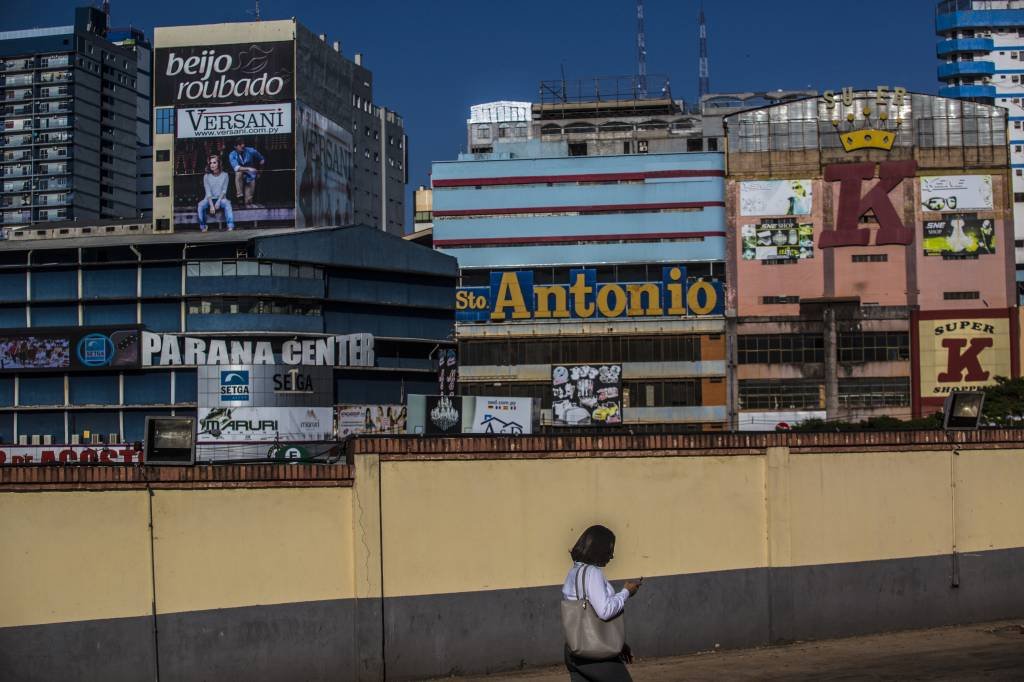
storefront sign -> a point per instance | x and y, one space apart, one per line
514 296
69 454
776 197
242 119
946 193
585 395
503 416
777 238
81 348
959 233
167 350
265 386
370 419
264 424
852 204
241 72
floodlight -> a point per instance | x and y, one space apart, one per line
963 410
170 441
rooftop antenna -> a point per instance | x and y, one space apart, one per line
641 51
256 11
106 15
703 73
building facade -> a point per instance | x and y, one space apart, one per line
288 119
250 332
74 134
856 219
981 51
593 238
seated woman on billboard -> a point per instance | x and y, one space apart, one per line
215 182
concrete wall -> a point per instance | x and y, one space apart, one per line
446 555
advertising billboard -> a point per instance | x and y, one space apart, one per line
219 425
776 238
585 395
956 193
503 416
265 386
323 169
224 74
959 233
172 350
961 352
776 197
233 121
74 349
370 419
443 415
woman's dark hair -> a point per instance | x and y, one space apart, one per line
594 547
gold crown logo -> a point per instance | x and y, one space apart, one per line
867 138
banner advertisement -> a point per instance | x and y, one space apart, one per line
778 238
514 296
503 416
224 74
323 165
264 424
370 419
444 415
242 119
265 386
585 395
963 233
70 454
446 363
962 354
956 193
775 421
81 348
775 197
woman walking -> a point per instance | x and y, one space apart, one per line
586 581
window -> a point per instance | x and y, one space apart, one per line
870 257
779 300
626 147
521 129
961 295
577 149
163 154
695 144
771 394
766 348
503 130
874 392
712 144
1018 172
163 223
1018 196
857 347
165 121
163 190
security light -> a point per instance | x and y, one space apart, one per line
963 410
170 441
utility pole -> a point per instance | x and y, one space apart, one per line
641 51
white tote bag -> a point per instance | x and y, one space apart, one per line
586 634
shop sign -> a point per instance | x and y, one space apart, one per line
853 204
244 119
167 350
775 238
502 416
959 233
241 424
514 296
962 354
69 454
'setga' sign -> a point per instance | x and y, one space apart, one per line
962 352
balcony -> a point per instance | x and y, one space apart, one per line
15 171
17 95
24 155
17 186
17 64
15 81
53 200
12 217
948 47
955 69
17 110
996 18
16 141
968 91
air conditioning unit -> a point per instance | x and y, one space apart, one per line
47 439
37 439
96 439
112 438
75 438
23 439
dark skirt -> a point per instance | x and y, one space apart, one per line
587 670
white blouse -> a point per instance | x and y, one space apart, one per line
606 601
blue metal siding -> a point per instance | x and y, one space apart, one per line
254 323
162 317
108 313
54 285
53 316
42 423
135 423
979 19
966 91
375 290
7 427
161 280
147 388
38 390
109 283
711 249
238 286
12 286
93 389
12 316
103 423
6 392
975 68
185 386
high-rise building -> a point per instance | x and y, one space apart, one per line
982 60
72 134
289 123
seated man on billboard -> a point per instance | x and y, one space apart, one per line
215 182
243 161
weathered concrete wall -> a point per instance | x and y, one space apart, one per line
447 555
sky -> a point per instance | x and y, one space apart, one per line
431 60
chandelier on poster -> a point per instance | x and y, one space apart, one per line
167 350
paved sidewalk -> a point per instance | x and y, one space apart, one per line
986 651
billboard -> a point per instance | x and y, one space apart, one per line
224 74
961 352
956 193
70 454
585 395
239 120
776 197
323 169
370 419
76 349
776 238
265 386
502 416
343 350
219 425
959 233
443 415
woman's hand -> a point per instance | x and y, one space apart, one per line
632 586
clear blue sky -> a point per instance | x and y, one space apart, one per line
432 59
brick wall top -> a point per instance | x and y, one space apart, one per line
130 477
647 445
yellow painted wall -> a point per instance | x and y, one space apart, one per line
241 547
67 556
990 500
455 526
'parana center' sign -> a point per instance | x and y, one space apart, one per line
165 350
